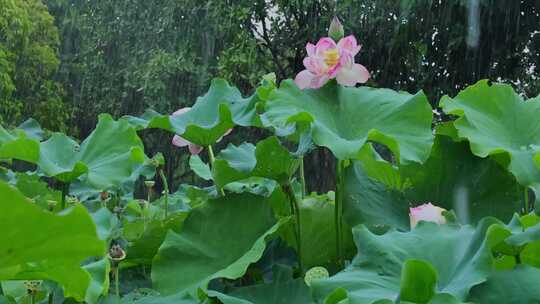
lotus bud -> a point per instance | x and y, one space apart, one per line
427 212
335 31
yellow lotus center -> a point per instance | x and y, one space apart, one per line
331 57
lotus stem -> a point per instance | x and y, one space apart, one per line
295 210
65 192
212 159
117 280
165 190
302 177
338 212
211 156
526 200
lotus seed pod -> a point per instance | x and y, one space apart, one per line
104 195
315 273
32 287
51 204
116 253
149 183
72 200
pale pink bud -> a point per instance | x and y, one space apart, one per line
426 212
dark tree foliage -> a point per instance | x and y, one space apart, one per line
125 56
28 61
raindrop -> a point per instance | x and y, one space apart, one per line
473 24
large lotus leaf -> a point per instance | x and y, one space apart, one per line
150 119
514 243
459 256
219 239
143 249
520 238
37 190
318 233
379 193
220 109
18 145
516 286
344 119
200 168
99 285
32 129
496 120
36 244
269 159
107 224
152 298
283 290
105 159
7 300
173 299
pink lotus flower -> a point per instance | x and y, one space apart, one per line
427 212
328 60
179 141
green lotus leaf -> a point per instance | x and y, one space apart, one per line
344 119
378 192
30 252
99 284
282 290
219 239
107 224
32 129
199 167
18 145
444 298
456 257
143 249
104 160
269 159
150 119
152 298
37 190
338 296
7 300
519 285
497 121
256 185
418 281
318 233
514 243
16 290
220 109
529 235
173 299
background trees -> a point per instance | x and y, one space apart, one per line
28 62
122 56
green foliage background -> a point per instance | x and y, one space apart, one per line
65 61
29 60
